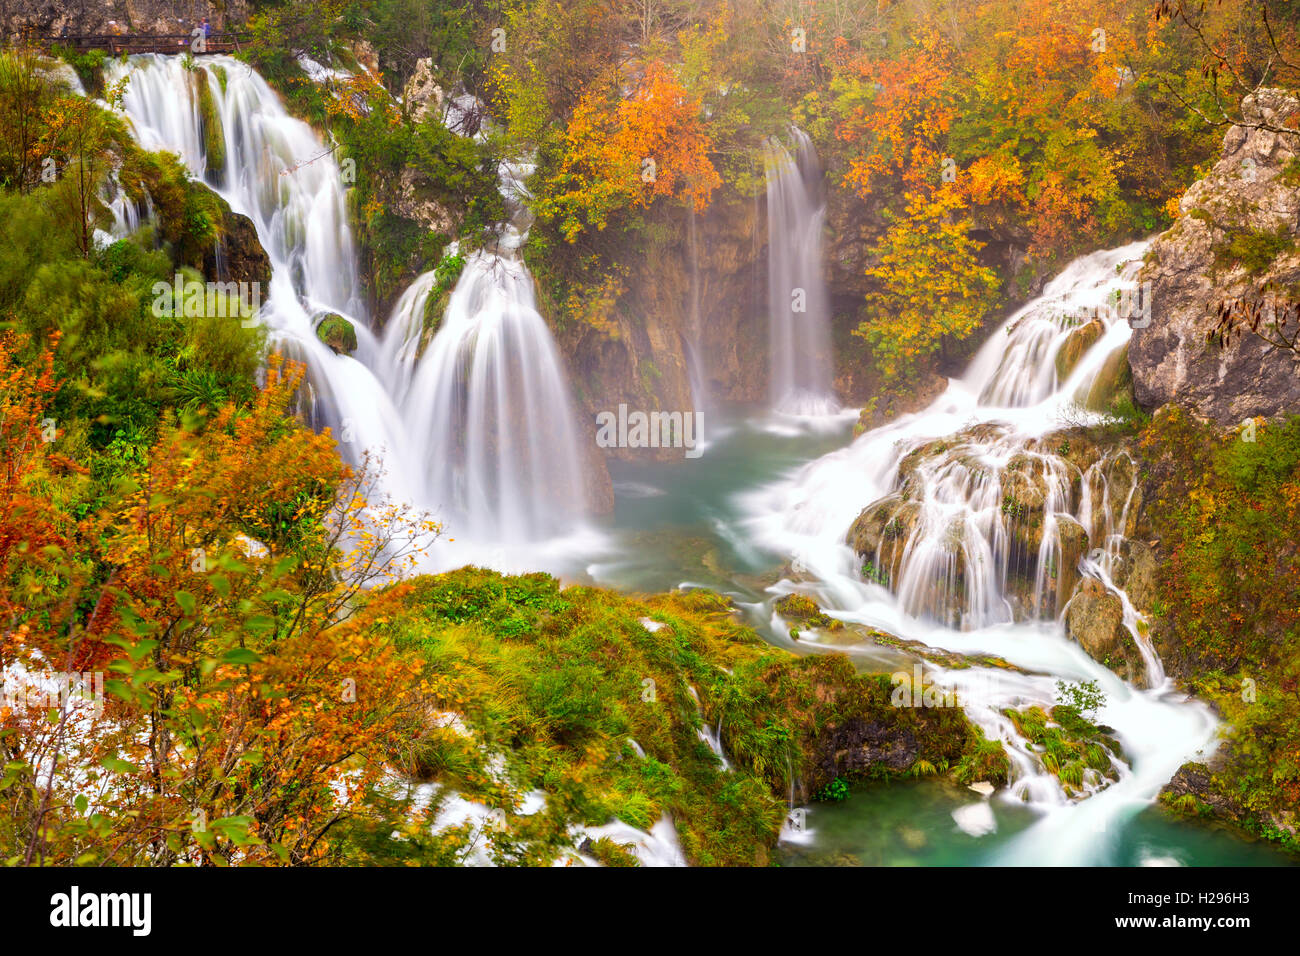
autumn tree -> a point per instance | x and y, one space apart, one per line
248 707
930 287
627 152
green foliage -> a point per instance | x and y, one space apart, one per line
122 364
1225 510
89 64
1254 251
837 790
1085 697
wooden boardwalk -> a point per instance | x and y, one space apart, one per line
118 44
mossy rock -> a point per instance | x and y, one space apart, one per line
1095 620
1075 346
1113 383
804 610
338 333
214 137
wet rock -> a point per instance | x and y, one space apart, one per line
338 333
801 609
1094 619
861 746
880 533
1074 347
238 255
1113 383
1073 540
1135 572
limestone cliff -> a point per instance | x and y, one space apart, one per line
1234 242
50 17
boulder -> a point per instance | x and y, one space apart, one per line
338 333
1248 201
1094 619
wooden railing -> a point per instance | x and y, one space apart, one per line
116 44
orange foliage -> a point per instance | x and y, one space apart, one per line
651 144
251 701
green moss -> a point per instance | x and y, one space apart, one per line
559 682
804 610
338 333
1067 743
1253 250
1226 511
214 138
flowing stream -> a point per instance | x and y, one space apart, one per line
470 411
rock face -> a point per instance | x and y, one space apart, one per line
1234 241
1095 619
422 95
49 17
415 202
707 296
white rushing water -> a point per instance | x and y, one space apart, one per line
947 481
473 423
798 300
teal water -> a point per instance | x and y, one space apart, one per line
912 824
677 523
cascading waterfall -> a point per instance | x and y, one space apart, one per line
477 427
949 490
798 301
490 396
501 452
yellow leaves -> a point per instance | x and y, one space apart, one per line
927 264
629 152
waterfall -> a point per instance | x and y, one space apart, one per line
489 394
477 427
798 301
948 493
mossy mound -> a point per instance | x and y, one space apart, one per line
338 333
1069 746
555 685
